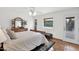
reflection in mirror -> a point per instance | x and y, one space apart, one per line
18 24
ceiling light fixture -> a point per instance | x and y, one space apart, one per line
32 11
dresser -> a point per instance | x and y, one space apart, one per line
19 29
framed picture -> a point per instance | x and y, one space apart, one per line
48 22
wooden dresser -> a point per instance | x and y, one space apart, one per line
19 29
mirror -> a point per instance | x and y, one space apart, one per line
18 22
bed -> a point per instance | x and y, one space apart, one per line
25 41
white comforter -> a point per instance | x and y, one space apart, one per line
25 41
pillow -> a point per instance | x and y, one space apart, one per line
2 36
7 36
11 34
5 33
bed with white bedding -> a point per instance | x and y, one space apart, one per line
25 41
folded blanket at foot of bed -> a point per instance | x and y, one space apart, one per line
44 47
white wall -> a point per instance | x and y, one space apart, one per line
8 13
59 22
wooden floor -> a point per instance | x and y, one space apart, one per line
64 46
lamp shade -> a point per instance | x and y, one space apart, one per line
2 36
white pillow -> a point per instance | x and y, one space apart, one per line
5 33
2 36
11 34
7 36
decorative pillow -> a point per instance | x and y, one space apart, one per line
11 34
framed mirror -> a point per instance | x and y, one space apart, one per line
18 22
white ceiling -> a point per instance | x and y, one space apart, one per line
39 10
44 10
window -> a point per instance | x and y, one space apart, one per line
70 23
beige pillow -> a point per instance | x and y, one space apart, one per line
11 34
